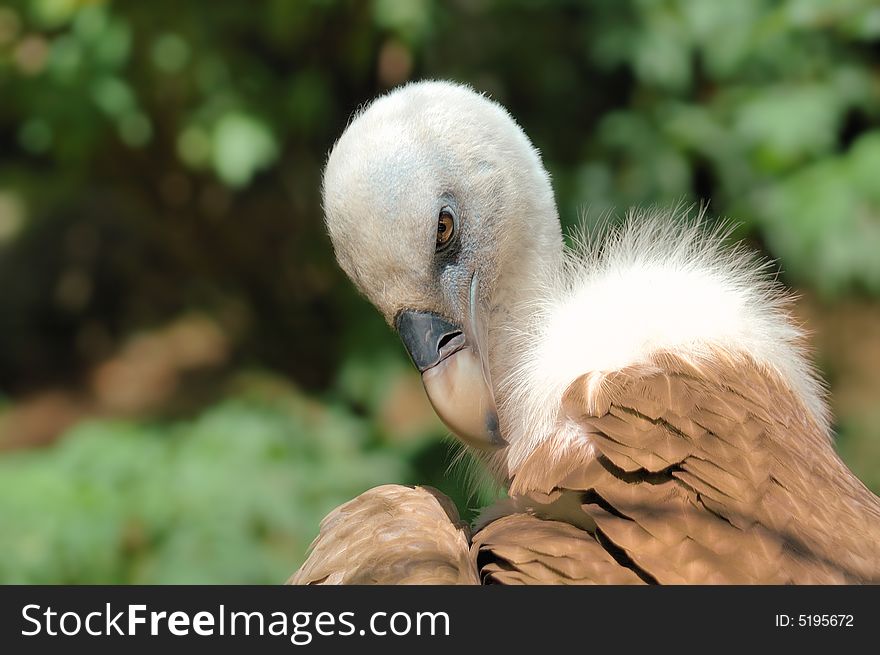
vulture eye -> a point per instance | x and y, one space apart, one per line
445 228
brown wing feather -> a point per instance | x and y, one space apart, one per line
391 535
689 474
523 549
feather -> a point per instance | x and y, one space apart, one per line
391 535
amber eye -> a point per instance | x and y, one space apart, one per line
445 228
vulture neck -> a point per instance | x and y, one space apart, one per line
526 284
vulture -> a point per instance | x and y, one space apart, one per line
643 395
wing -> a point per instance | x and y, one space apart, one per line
689 473
391 535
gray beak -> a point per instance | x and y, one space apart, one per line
453 375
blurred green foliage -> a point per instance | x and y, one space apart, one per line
219 499
159 158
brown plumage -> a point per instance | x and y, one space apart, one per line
692 474
644 397
696 474
704 474
391 535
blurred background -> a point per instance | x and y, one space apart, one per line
188 383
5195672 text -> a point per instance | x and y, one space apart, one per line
814 621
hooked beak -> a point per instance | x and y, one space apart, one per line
455 376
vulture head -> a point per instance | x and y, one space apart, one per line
442 214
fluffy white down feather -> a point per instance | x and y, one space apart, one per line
656 283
